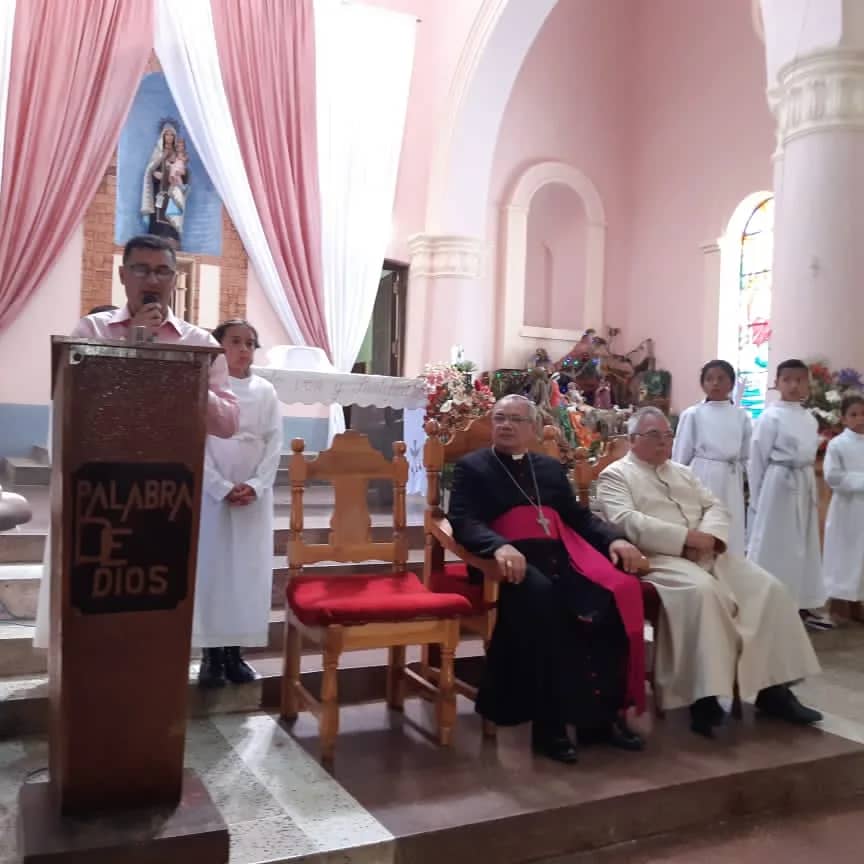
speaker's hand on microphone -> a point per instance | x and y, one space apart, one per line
150 315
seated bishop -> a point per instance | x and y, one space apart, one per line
724 619
567 646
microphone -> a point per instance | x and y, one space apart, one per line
148 298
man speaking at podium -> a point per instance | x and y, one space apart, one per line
148 274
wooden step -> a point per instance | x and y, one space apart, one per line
17 654
25 471
362 678
19 590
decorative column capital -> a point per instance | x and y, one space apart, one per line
819 92
438 256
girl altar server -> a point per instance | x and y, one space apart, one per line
713 438
235 551
843 561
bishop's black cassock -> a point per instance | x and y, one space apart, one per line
559 653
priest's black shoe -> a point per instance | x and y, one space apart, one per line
211 674
554 744
705 714
614 735
779 701
622 738
237 670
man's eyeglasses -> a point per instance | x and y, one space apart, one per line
657 437
142 271
515 419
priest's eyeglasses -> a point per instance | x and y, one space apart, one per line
142 271
657 437
515 419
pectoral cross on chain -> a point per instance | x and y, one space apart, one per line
543 522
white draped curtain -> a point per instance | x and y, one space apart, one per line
7 25
364 57
185 43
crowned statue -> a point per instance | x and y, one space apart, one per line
165 188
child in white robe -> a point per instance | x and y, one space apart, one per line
784 518
235 549
713 439
843 565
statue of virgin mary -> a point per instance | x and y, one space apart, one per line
166 186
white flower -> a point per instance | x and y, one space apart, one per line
445 408
833 397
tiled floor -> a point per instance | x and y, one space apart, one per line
280 805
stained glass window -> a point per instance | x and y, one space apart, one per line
754 307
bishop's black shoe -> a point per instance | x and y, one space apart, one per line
554 743
211 674
705 714
779 701
237 670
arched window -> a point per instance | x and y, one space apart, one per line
756 247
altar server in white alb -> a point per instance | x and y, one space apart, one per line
235 550
713 438
784 517
843 565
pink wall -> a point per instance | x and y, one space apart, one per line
661 104
555 266
702 138
441 34
53 309
571 103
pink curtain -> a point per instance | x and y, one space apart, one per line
267 56
76 65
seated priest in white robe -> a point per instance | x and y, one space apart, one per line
723 617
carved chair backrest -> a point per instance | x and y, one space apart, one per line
478 434
585 473
348 466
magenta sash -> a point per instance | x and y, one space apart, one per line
521 523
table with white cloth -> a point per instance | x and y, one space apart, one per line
302 376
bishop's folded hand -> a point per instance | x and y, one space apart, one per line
511 564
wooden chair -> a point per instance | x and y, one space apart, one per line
451 576
391 609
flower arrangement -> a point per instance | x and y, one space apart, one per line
453 399
827 390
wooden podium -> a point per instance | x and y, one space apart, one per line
129 430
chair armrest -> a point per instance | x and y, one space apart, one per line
438 525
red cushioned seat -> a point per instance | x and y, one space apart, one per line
453 579
379 597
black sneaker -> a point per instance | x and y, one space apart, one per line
211 674
237 670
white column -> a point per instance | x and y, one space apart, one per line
447 302
817 306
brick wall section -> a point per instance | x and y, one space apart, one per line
99 250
